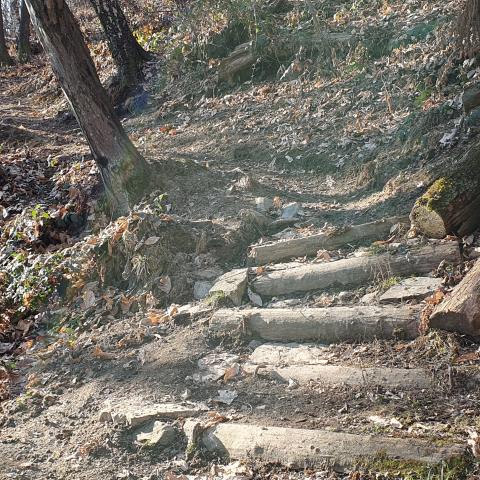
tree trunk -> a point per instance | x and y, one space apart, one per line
127 54
452 204
124 171
460 310
23 43
4 56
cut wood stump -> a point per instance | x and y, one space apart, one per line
300 448
296 247
460 310
356 271
452 204
326 325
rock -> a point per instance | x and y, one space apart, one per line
136 414
411 288
471 98
233 285
369 298
161 435
213 366
263 204
201 289
291 210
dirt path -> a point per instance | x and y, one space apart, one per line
83 392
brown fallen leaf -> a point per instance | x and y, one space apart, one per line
101 355
231 372
468 357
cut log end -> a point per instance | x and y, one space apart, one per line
428 222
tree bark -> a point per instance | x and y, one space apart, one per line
5 58
23 44
460 310
124 172
452 204
127 54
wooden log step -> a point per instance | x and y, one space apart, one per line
299 247
351 272
370 377
300 448
325 325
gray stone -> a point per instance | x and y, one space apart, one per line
369 298
232 284
201 289
263 204
135 414
411 288
161 435
290 211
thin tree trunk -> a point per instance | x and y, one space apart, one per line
5 58
23 43
128 55
124 171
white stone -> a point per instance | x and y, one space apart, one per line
232 284
201 289
263 204
411 288
161 435
290 211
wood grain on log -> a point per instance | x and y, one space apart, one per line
452 204
326 325
460 310
357 234
356 271
299 448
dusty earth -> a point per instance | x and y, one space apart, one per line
353 148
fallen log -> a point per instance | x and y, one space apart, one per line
460 310
355 271
326 325
296 247
300 448
452 204
391 378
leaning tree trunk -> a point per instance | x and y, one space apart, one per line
452 204
460 310
124 171
23 41
5 58
128 55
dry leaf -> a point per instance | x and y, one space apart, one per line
165 284
156 317
231 372
101 355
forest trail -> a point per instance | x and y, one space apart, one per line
265 320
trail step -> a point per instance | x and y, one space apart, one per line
325 325
304 246
299 448
355 271
390 378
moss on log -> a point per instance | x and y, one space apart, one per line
452 203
